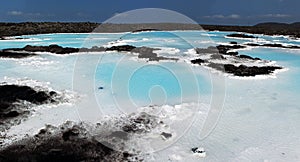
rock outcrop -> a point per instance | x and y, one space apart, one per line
12 103
10 54
51 48
234 63
238 35
64 143
275 45
143 52
243 70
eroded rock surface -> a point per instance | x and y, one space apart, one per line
103 141
16 102
68 142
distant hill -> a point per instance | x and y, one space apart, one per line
280 28
269 28
278 25
271 24
25 28
296 25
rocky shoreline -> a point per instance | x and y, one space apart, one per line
234 63
78 141
74 142
27 51
16 102
27 28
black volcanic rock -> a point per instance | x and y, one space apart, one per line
68 144
223 49
280 46
232 53
7 54
248 57
209 50
51 48
219 67
198 61
103 141
122 48
148 53
232 58
237 35
243 70
140 124
13 93
68 134
143 52
93 49
143 30
166 135
275 45
252 44
12 98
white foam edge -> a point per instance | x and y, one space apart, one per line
239 38
166 50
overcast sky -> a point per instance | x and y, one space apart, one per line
238 12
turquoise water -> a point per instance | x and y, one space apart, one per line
151 84
163 76
157 39
287 58
260 118
65 40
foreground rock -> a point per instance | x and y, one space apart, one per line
70 143
104 141
16 101
13 93
142 123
